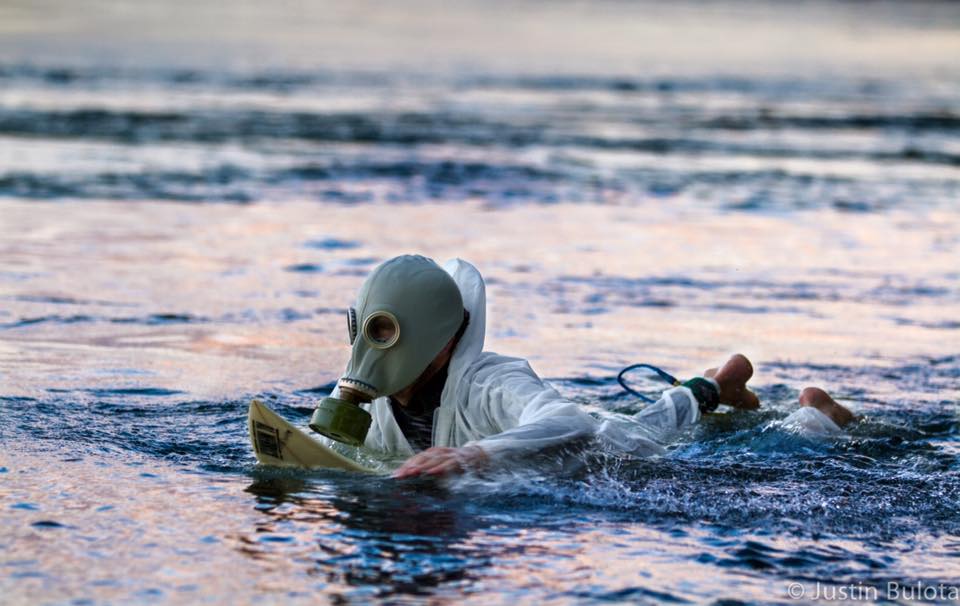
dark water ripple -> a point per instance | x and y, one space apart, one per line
740 143
282 315
451 181
291 80
207 126
600 294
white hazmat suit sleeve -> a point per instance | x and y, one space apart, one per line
520 414
648 431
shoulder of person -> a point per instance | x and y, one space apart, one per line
491 369
492 361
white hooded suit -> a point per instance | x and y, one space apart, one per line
500 404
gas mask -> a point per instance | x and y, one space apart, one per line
408 309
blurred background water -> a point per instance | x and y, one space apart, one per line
191 193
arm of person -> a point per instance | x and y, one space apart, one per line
524 416
528 438
514 412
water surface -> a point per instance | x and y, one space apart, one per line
190 197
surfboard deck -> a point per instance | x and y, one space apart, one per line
278 443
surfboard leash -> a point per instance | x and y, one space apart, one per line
669 378
705 391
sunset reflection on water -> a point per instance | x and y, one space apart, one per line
192 193
822 287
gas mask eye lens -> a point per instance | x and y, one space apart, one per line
381 330
352 324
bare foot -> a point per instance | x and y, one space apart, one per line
732 378
821 400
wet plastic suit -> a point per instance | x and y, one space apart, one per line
500 404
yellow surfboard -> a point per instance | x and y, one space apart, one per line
278 443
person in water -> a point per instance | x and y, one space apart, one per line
418 368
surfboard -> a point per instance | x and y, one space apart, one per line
278 443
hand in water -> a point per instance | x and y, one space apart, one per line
732 378
440 461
